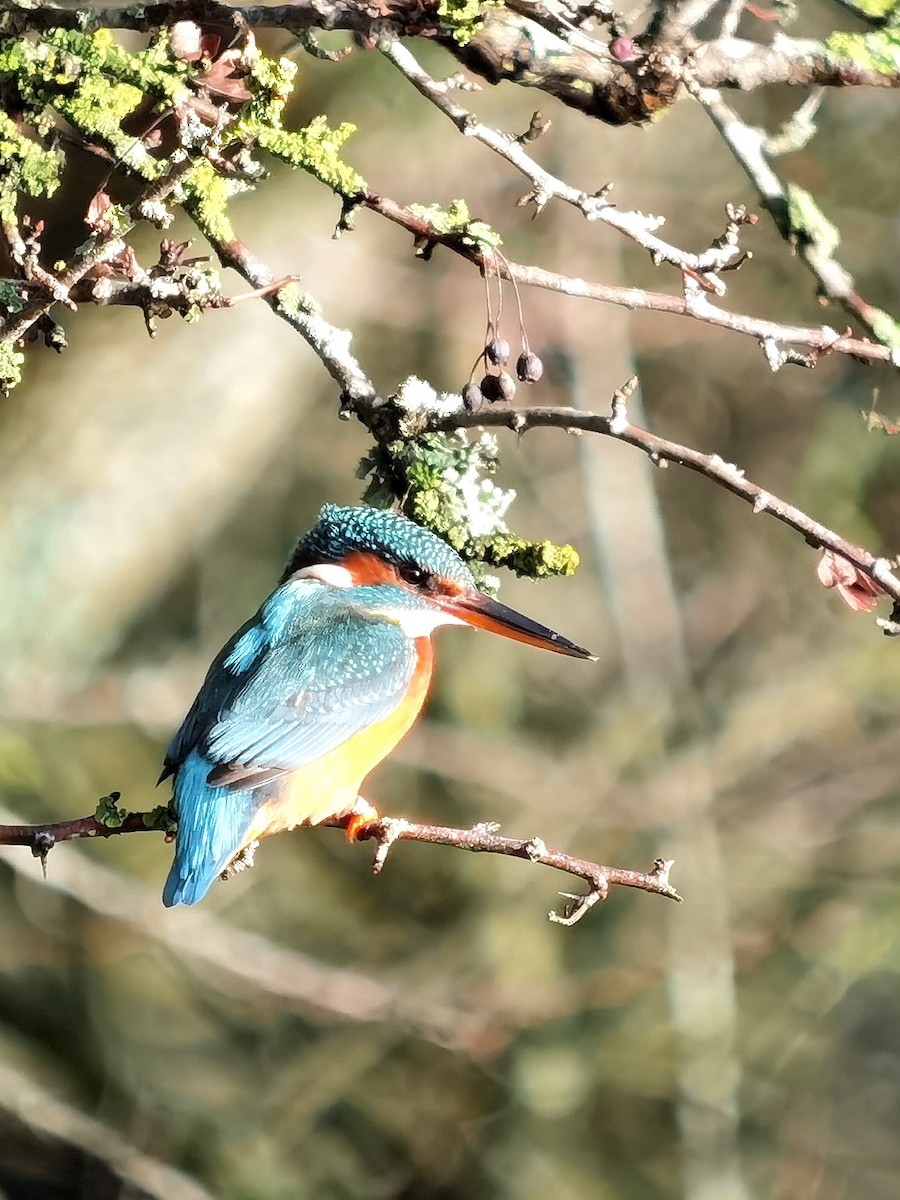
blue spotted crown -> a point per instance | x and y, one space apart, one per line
340 531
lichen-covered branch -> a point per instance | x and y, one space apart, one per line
534 43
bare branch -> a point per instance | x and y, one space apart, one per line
637 226
749 147
386 831
693 303
485 839
662 451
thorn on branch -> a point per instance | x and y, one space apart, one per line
537 126
781 356
618 422
43 843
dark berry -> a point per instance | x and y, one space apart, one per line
529 367
490 388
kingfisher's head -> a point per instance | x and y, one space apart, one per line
369 547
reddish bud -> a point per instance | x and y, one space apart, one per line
858 591
623 49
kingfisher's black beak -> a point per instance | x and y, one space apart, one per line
485 613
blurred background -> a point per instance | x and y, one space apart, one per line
313 1031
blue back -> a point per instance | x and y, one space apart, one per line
313 668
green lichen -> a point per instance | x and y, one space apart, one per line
294 302
206 198
456 221
536 560
878 51
444 481
98 86
885 11
25 169
109 813
462 19
161 818
886 328
11 363
807 222
94 83
316 149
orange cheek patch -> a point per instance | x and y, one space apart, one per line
369 568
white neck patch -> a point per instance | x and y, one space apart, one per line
330 573
417 622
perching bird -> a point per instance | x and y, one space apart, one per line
319 687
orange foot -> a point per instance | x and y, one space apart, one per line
361 814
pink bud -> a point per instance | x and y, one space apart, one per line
623 49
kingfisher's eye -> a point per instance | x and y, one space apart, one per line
412 574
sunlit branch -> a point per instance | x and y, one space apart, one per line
661 451
694 302
749 148
100 248
637 226
386 831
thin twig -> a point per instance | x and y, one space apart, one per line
484 839
101 247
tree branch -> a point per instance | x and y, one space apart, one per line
534 43
817 240
484 839
100 248
693 303
637 226
662 451
386 831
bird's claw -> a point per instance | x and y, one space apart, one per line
363 813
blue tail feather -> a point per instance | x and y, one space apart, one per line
212 823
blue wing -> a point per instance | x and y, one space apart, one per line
306 674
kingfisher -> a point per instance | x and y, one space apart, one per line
318 687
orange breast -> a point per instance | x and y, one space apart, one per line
328 787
